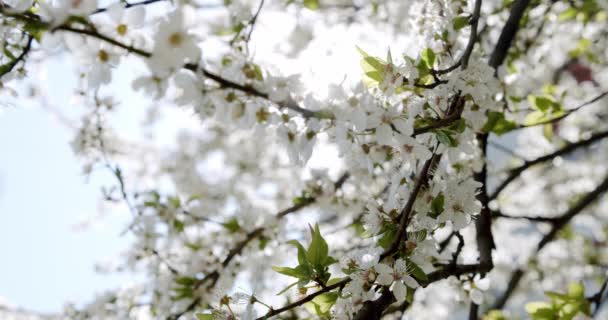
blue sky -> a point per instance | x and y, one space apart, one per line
43 194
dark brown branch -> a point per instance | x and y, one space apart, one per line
598 298
508 33
568 112
473 38
473 311
225 83
557 225
498 214
464 59
407 209
454 270
308 298
214 276
459 247
373 309
514 173
254 20
11 65
444 122
445 242
129 5
483 224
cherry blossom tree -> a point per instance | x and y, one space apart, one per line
461 161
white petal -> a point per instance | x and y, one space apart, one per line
476 296
115 12
384 134
384 279
383 268
400 291
411 282
483 284
135 16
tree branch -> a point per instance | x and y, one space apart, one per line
214 276
129 5
557 225
5 69
302 301
508 33
407 209
565 150
567 112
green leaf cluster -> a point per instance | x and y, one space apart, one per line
373 69
184 288
546 108
562 306
313 262
583 11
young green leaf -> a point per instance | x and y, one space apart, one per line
321 304
292 272
302 259
498 124
429 57
460 22
206 316
311 4
318 249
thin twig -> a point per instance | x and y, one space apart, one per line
254 20
556 226
565 150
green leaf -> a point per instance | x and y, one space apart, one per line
287 288
540 311
541 103
534 118
302 259
263 242
185 281
178 225
429 57
538 117
206 316
548 131
576 290
387 238
321 304
416 271
373 68
311 4
175 202
567 14
495 315
559 297
9 54
498 124
193 197
333 281
35 29
446 138
437 206
5 68
329 261
581 48
460 22
318 249
232 225
291 272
